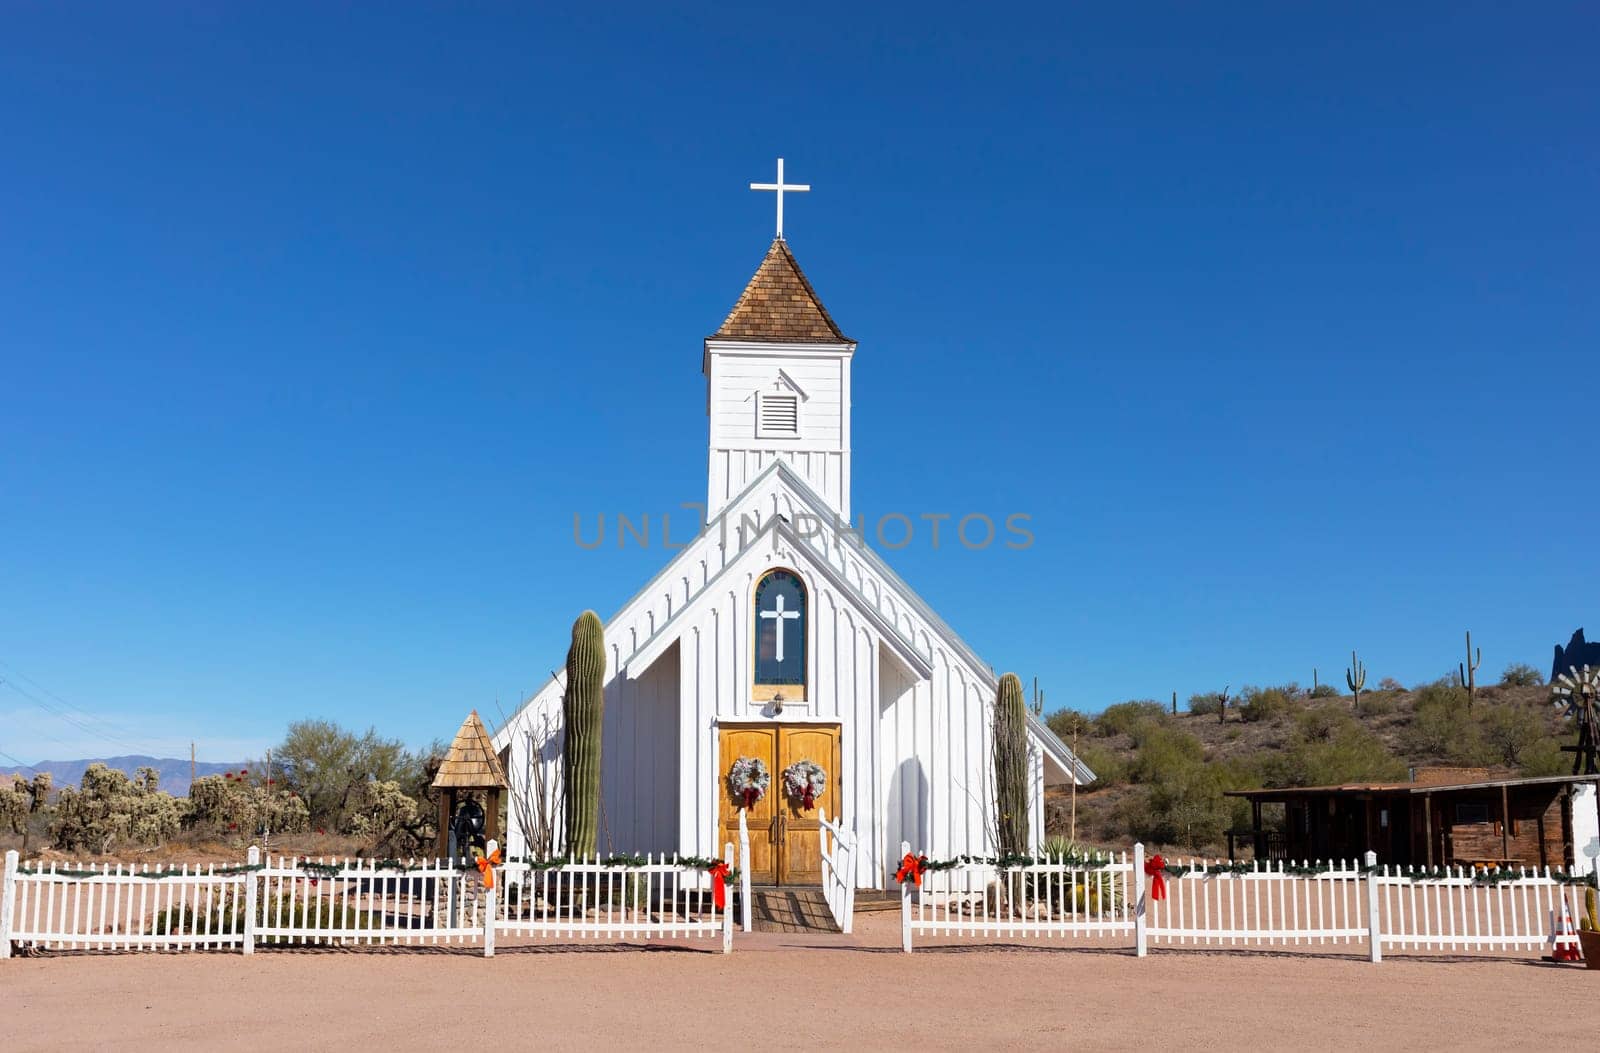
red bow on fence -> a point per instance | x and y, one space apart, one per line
1155 868
911 868
719 883
486 865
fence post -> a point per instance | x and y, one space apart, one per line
1374 928
8 902
1140 939
744 871
489 849
253 858
905 904
727 915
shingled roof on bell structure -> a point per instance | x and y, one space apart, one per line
779 306
471 763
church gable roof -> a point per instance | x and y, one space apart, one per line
780 306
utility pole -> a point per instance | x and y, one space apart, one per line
1072 828
266 811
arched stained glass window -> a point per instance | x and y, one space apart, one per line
780 635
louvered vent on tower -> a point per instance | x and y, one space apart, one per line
777 415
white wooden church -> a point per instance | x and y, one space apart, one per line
770 638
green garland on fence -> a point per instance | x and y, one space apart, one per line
1013 861
1437 873
153 875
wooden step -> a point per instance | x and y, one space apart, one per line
790 910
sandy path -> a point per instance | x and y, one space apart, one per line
773 989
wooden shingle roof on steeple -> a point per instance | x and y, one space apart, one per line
471 763
780 306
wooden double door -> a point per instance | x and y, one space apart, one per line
785 838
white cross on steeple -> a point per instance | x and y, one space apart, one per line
778 615
780 186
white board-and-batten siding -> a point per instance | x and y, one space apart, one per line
819 376
914 713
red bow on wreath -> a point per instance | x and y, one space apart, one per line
911 868
719 882
1155 868
750 795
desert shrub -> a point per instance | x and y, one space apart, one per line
1258 704
326 765
1389 683
1509 732
1521 674
1543 756
1110 767
1323 691
1378 704
1329 746
107 807
1067 723
1159 749
388 821
1125 718
241 806
1440 722
1184 807
1206 703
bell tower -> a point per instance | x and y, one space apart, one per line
778 387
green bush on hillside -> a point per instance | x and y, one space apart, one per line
1206 703
1323 691
1521 674
1257 704
1125 718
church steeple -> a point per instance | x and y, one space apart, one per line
778 387
780 306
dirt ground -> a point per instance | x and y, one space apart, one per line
831 992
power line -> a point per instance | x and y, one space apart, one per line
17 762
118 729
83 726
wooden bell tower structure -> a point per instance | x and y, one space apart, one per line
470 766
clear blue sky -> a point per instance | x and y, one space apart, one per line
316 328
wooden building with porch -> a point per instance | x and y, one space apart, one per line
1442 817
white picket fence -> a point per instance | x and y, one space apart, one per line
1064 899
1266 905
352 902
838 870
660 899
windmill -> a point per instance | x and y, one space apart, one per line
1577 692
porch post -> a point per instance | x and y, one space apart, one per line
1505 824
1427 826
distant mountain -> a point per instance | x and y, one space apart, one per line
174 772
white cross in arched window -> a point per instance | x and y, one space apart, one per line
778 616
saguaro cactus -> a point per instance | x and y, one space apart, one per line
1356 678
1011 766
1222 706
1469 670
583 707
